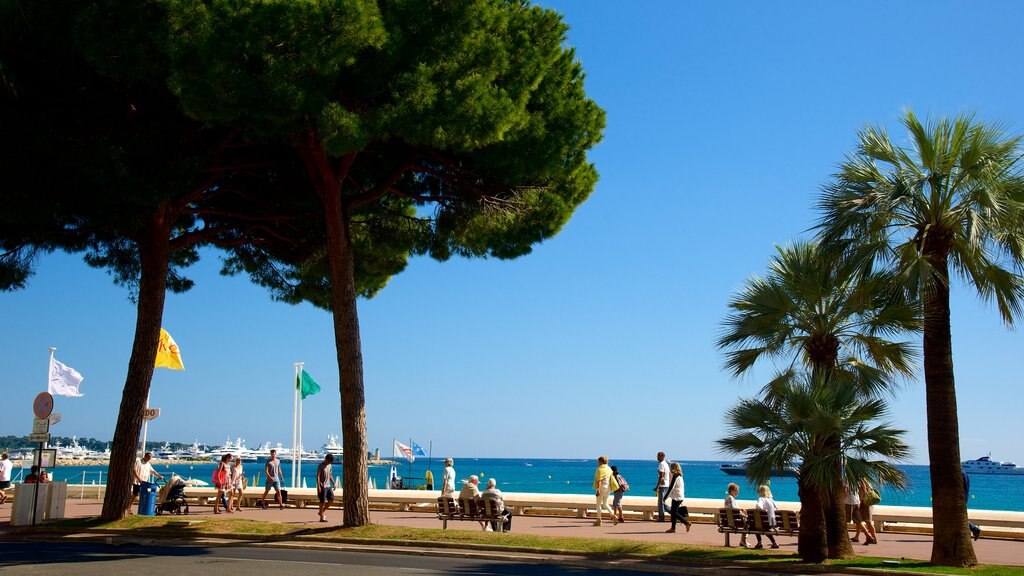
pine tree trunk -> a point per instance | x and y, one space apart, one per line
355 496
154 255
812 545
951 544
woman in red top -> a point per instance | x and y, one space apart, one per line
222 481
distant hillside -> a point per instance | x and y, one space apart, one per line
18 443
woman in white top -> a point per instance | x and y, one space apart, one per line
676 494
767 503
237 485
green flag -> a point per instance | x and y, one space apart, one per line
306 384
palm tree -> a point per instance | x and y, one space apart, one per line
824 312
830 426
953 199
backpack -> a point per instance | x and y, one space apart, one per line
623 485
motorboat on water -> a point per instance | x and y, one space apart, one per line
165 452
986 465
741 470
193 452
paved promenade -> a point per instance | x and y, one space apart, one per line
890 544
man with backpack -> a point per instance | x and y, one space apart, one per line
617 495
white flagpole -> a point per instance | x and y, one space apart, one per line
145 427
297 459
295 418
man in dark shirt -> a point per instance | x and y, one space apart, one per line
975 531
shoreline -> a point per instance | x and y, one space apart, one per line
169 461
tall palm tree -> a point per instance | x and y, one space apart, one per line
831 427
953 199
824 312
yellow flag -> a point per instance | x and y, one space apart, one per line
167 353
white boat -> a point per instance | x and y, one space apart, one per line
331 446
236 448
74 451
285 454
985 465
165 452
193 452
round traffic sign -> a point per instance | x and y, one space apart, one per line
43 405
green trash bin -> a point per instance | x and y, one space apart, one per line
147 499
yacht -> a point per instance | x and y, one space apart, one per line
331 446
165 452
74 451
985 465
236 448
285 454
193 452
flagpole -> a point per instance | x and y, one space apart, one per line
298 454
413 453
295 419
145 425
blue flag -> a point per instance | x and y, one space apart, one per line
418 450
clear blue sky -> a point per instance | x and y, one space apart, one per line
724 118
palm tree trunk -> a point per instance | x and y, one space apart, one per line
154 255
951 544
355 496
812 545
839 546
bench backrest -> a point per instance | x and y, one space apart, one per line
446 505
757 520
470 507
731 518
490 508
786 521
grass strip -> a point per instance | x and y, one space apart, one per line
313 531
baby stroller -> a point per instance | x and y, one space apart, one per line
171 497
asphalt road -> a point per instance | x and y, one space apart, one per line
89 559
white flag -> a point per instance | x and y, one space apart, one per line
64 380
402 451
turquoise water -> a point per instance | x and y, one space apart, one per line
703 479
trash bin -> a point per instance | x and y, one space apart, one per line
147 499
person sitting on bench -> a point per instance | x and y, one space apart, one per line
492 493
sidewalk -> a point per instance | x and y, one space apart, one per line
890 544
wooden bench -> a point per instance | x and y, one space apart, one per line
731 521
466 509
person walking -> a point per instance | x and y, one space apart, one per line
142 472
6 466
604 484
766 503
662 486
868 498
975 531
448 478
273 471
617 495
237 485
851 499
222 482
325 484
676 492
731 492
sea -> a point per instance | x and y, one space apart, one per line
703 479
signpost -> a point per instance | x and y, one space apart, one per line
54 418
42 407
150 414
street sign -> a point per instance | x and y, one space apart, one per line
150 413
40 426
54 418
39 437
43 405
